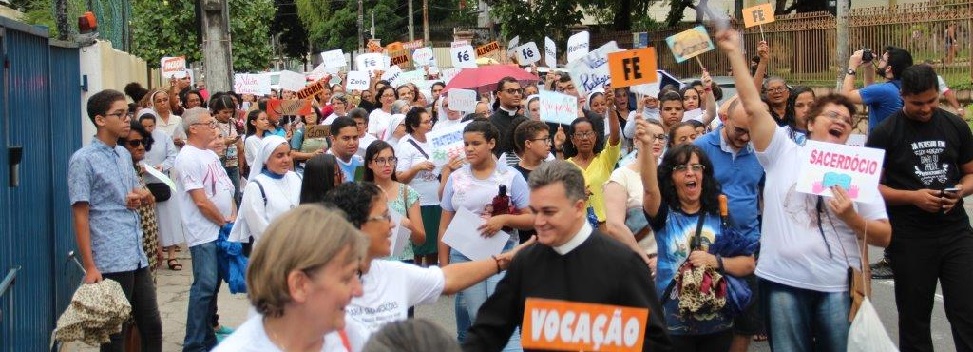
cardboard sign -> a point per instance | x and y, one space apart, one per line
375 46
372 62
550 53
691 42
578 45
758 15
173 67
278 107
556 107
474 246
248 83
413 45
632 67
591 71
401 58
291 80
447 74
487 49
313 89
446 143
528 54
334 58
422 57
463 57
462 99
358 80
856 169
572 326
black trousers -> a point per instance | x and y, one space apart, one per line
140 291
715 342
918 263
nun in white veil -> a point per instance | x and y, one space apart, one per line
273 189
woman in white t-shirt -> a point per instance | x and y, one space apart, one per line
300 291
415 168
392 287
379 119
623 192
273 189
340 105
257 126
445 115
807 241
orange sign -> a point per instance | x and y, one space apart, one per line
375 45
632 67
394 46
413 45
277 107
758 15
313 89
401 58
571 326
488 48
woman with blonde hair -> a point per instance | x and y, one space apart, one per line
300 292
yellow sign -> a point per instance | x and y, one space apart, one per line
571 326
691 42
758 15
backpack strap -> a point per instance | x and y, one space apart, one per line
262 193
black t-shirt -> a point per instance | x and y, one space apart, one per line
524 234
505 124
924 155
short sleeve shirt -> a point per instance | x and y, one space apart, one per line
883 100
597 174
201 169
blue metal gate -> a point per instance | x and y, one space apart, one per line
40 118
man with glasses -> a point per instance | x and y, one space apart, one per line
738 171
105 193
205 195
506 117
882 100
928 171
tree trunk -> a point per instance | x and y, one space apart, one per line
623 15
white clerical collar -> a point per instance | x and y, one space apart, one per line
575 241
509 112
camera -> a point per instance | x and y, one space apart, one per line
867 55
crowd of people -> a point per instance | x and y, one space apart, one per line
670 192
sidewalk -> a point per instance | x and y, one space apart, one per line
172 288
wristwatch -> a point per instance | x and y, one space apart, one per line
851 72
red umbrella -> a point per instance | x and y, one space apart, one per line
485 78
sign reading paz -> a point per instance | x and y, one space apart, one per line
856 169
758 15
632 67
691 42
571 326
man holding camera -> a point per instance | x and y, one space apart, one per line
928 171
882 100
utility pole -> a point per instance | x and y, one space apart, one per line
412 32
361 36
373 24
217 54
425 21
842 40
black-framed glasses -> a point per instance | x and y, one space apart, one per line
135 143
694 167
211 124
386 161
514 90
120 114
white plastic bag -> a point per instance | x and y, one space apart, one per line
867 334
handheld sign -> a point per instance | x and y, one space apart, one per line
318 72
512 45
401 58
463 56
446 143
461 236
371 62
591 71
391 74
172 66
462 99
413 45
555 107
248 83
578 45
400 234
334 58
291 80
358 80
550 53
313 89
159 175
487 49
632 67
691 42
528 54
408 77
459 43
856 169
573 326
422 57
278 107
447 74
758 16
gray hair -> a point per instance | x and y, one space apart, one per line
192 116
398 105
562 172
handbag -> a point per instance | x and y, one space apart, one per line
160 191
859 281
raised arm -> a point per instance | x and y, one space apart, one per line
848 84
709 99
763 52
651 198
762 125
614 133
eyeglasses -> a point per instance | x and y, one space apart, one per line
584 134
546 141
835 116
382 218
384 161
740 131
211 124
683 168
514 90
427 122
776 90
135 143
661 137
120 114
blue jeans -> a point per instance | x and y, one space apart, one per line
468 301
800 320
202 294
234 174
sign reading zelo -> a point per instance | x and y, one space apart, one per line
571 326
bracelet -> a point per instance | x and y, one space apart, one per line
719 263
497 260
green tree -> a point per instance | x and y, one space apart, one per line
537 18
292 36
333 24
250 31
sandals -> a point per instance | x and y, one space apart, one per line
174 266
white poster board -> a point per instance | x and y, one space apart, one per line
250 83
422 57
358 80
550 53
591 70
447 74
173 67
462 234
291 80
557 107
463 56
578 45
462 99
446 143
372 62
334 58
856 169
528 54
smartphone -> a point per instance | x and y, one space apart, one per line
951 190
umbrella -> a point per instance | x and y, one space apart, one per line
484 79
96 311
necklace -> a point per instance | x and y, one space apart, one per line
283 191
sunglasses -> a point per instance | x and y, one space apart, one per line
135 143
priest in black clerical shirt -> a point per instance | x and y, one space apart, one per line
505 118
571 262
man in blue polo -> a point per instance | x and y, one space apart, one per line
741 176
